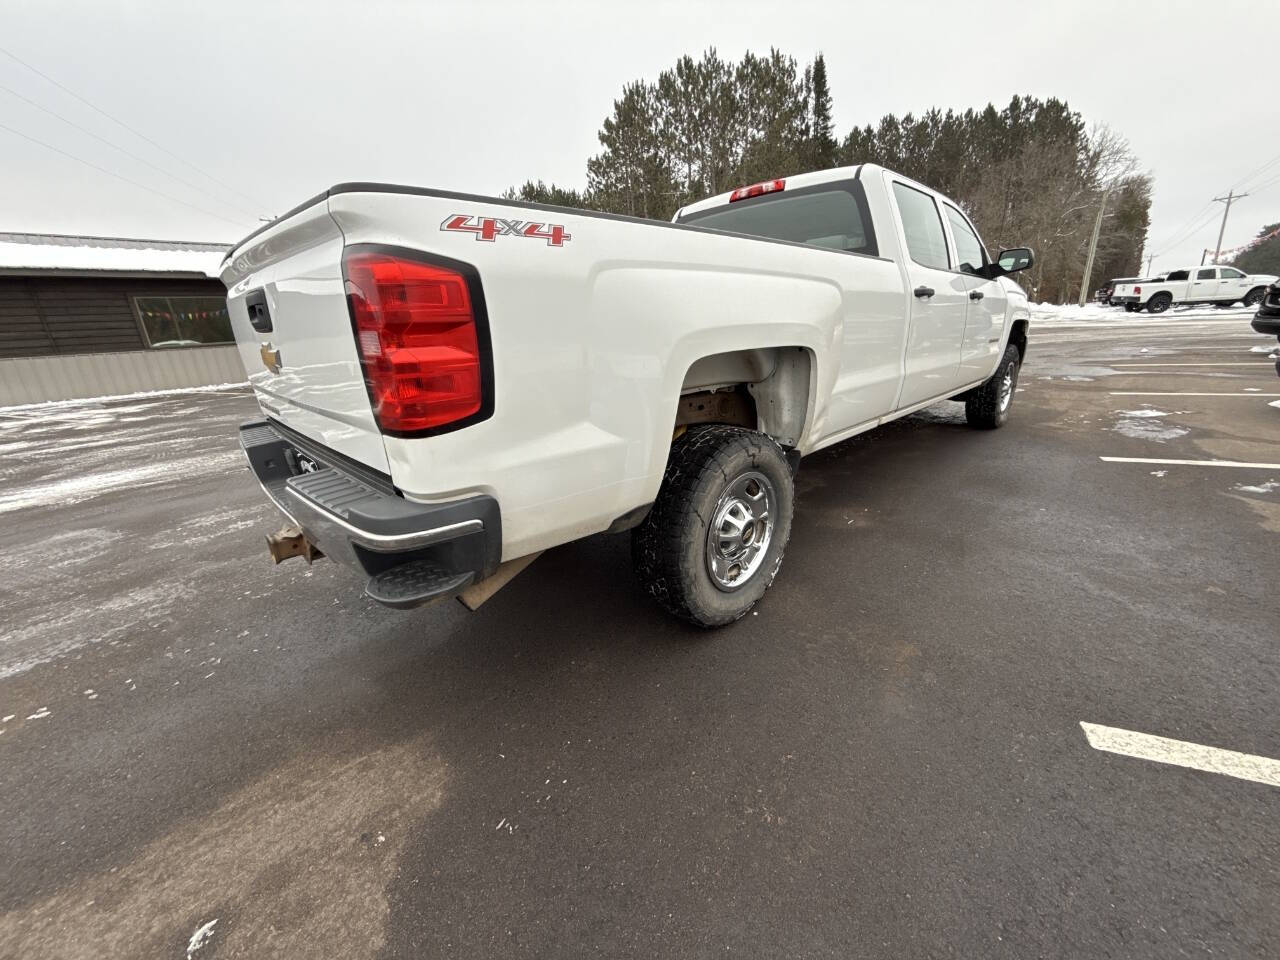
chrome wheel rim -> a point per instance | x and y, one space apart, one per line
1007 383
741 530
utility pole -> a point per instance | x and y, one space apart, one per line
1093 244
1203 254
1150 259
1228 200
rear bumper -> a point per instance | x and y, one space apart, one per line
1268 323
1124 300
358 519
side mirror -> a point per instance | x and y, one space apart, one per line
1015 259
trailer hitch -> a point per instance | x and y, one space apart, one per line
289 542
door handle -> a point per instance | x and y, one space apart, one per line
976 294
923 292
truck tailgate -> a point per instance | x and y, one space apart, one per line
288 307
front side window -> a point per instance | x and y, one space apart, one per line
969 250
184 321
922 224
1206 274
1229 273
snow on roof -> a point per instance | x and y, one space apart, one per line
48 252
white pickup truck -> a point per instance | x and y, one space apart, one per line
1221 286
451 383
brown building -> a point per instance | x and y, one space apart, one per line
96 316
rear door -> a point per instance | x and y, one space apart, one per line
1204 284
988 301
937 294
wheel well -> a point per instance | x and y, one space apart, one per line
1018 337
765 389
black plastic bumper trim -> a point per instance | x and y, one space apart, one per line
358 522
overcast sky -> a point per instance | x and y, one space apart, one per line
280 100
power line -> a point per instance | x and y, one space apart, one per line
1178 232
1249 176
141 136
110 173
1267 184
127 153
1184 235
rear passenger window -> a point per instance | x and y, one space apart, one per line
968 247
926 242
1206 274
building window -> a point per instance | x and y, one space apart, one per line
184 321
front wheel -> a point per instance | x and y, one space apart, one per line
987 407
713 542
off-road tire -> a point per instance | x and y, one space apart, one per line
669 550
1254 296
1160 303
983 407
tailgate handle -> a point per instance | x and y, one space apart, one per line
259 316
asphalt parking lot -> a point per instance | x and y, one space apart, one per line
887 760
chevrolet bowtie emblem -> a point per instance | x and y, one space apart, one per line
270 358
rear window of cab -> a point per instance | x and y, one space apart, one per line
831 215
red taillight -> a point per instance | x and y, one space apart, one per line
415 329
1137 289
769 186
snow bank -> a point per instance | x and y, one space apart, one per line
1050 313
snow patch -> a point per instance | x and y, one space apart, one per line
1267 487
1146 412
1159 473
86 487
1147 427
140 395
200 937
40 714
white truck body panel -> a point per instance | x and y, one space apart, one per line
593 342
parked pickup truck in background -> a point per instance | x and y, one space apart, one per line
1221 286
450 383
1104 292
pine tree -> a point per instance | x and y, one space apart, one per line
823 149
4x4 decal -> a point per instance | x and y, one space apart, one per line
489 228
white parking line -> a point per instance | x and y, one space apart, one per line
1180 753
1246 363
1194 463
1130 393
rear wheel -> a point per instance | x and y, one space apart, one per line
1159 303
713 542
987 406
1254 296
